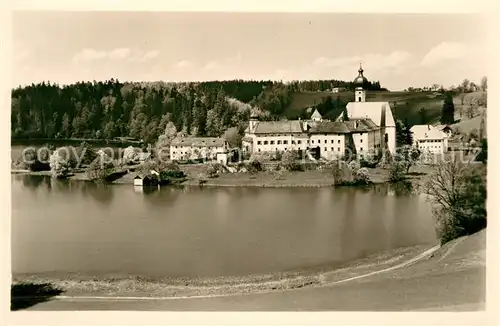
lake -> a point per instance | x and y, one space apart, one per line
64 227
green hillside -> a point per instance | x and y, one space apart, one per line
405 104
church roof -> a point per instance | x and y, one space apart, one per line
361 125
370 110
343 127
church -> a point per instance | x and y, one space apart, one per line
368 129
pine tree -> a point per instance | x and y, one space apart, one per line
345 117
448 110
199 117
422 114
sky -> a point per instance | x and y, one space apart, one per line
399 50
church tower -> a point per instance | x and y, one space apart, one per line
359 83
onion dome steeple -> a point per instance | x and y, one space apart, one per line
360 80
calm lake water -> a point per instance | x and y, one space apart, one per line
95 229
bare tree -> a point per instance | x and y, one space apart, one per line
458 197
472 106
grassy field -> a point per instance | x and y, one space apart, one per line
405 104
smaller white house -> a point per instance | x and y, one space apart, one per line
429 139
198 148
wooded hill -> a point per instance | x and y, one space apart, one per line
110 109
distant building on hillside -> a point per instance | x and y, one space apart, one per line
210 148
338 89
429 139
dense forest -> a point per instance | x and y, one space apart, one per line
109 109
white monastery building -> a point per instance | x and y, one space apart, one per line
429 139
370 127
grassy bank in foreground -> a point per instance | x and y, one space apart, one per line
467 252
126 285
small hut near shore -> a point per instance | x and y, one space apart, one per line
152 178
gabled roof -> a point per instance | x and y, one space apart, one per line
370 110
316 115
278 127
421 132
143 175
199 142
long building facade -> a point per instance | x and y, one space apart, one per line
369 129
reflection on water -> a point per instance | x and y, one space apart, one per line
65 226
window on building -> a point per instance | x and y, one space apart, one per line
259 149
279 142
285 148
299 142
285 142
338 142
312 141
325 141
326 149
361 140
361 149
272 142
258 142
331 149
308 141
338 149
293 142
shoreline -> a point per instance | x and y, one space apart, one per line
264 179
126 285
